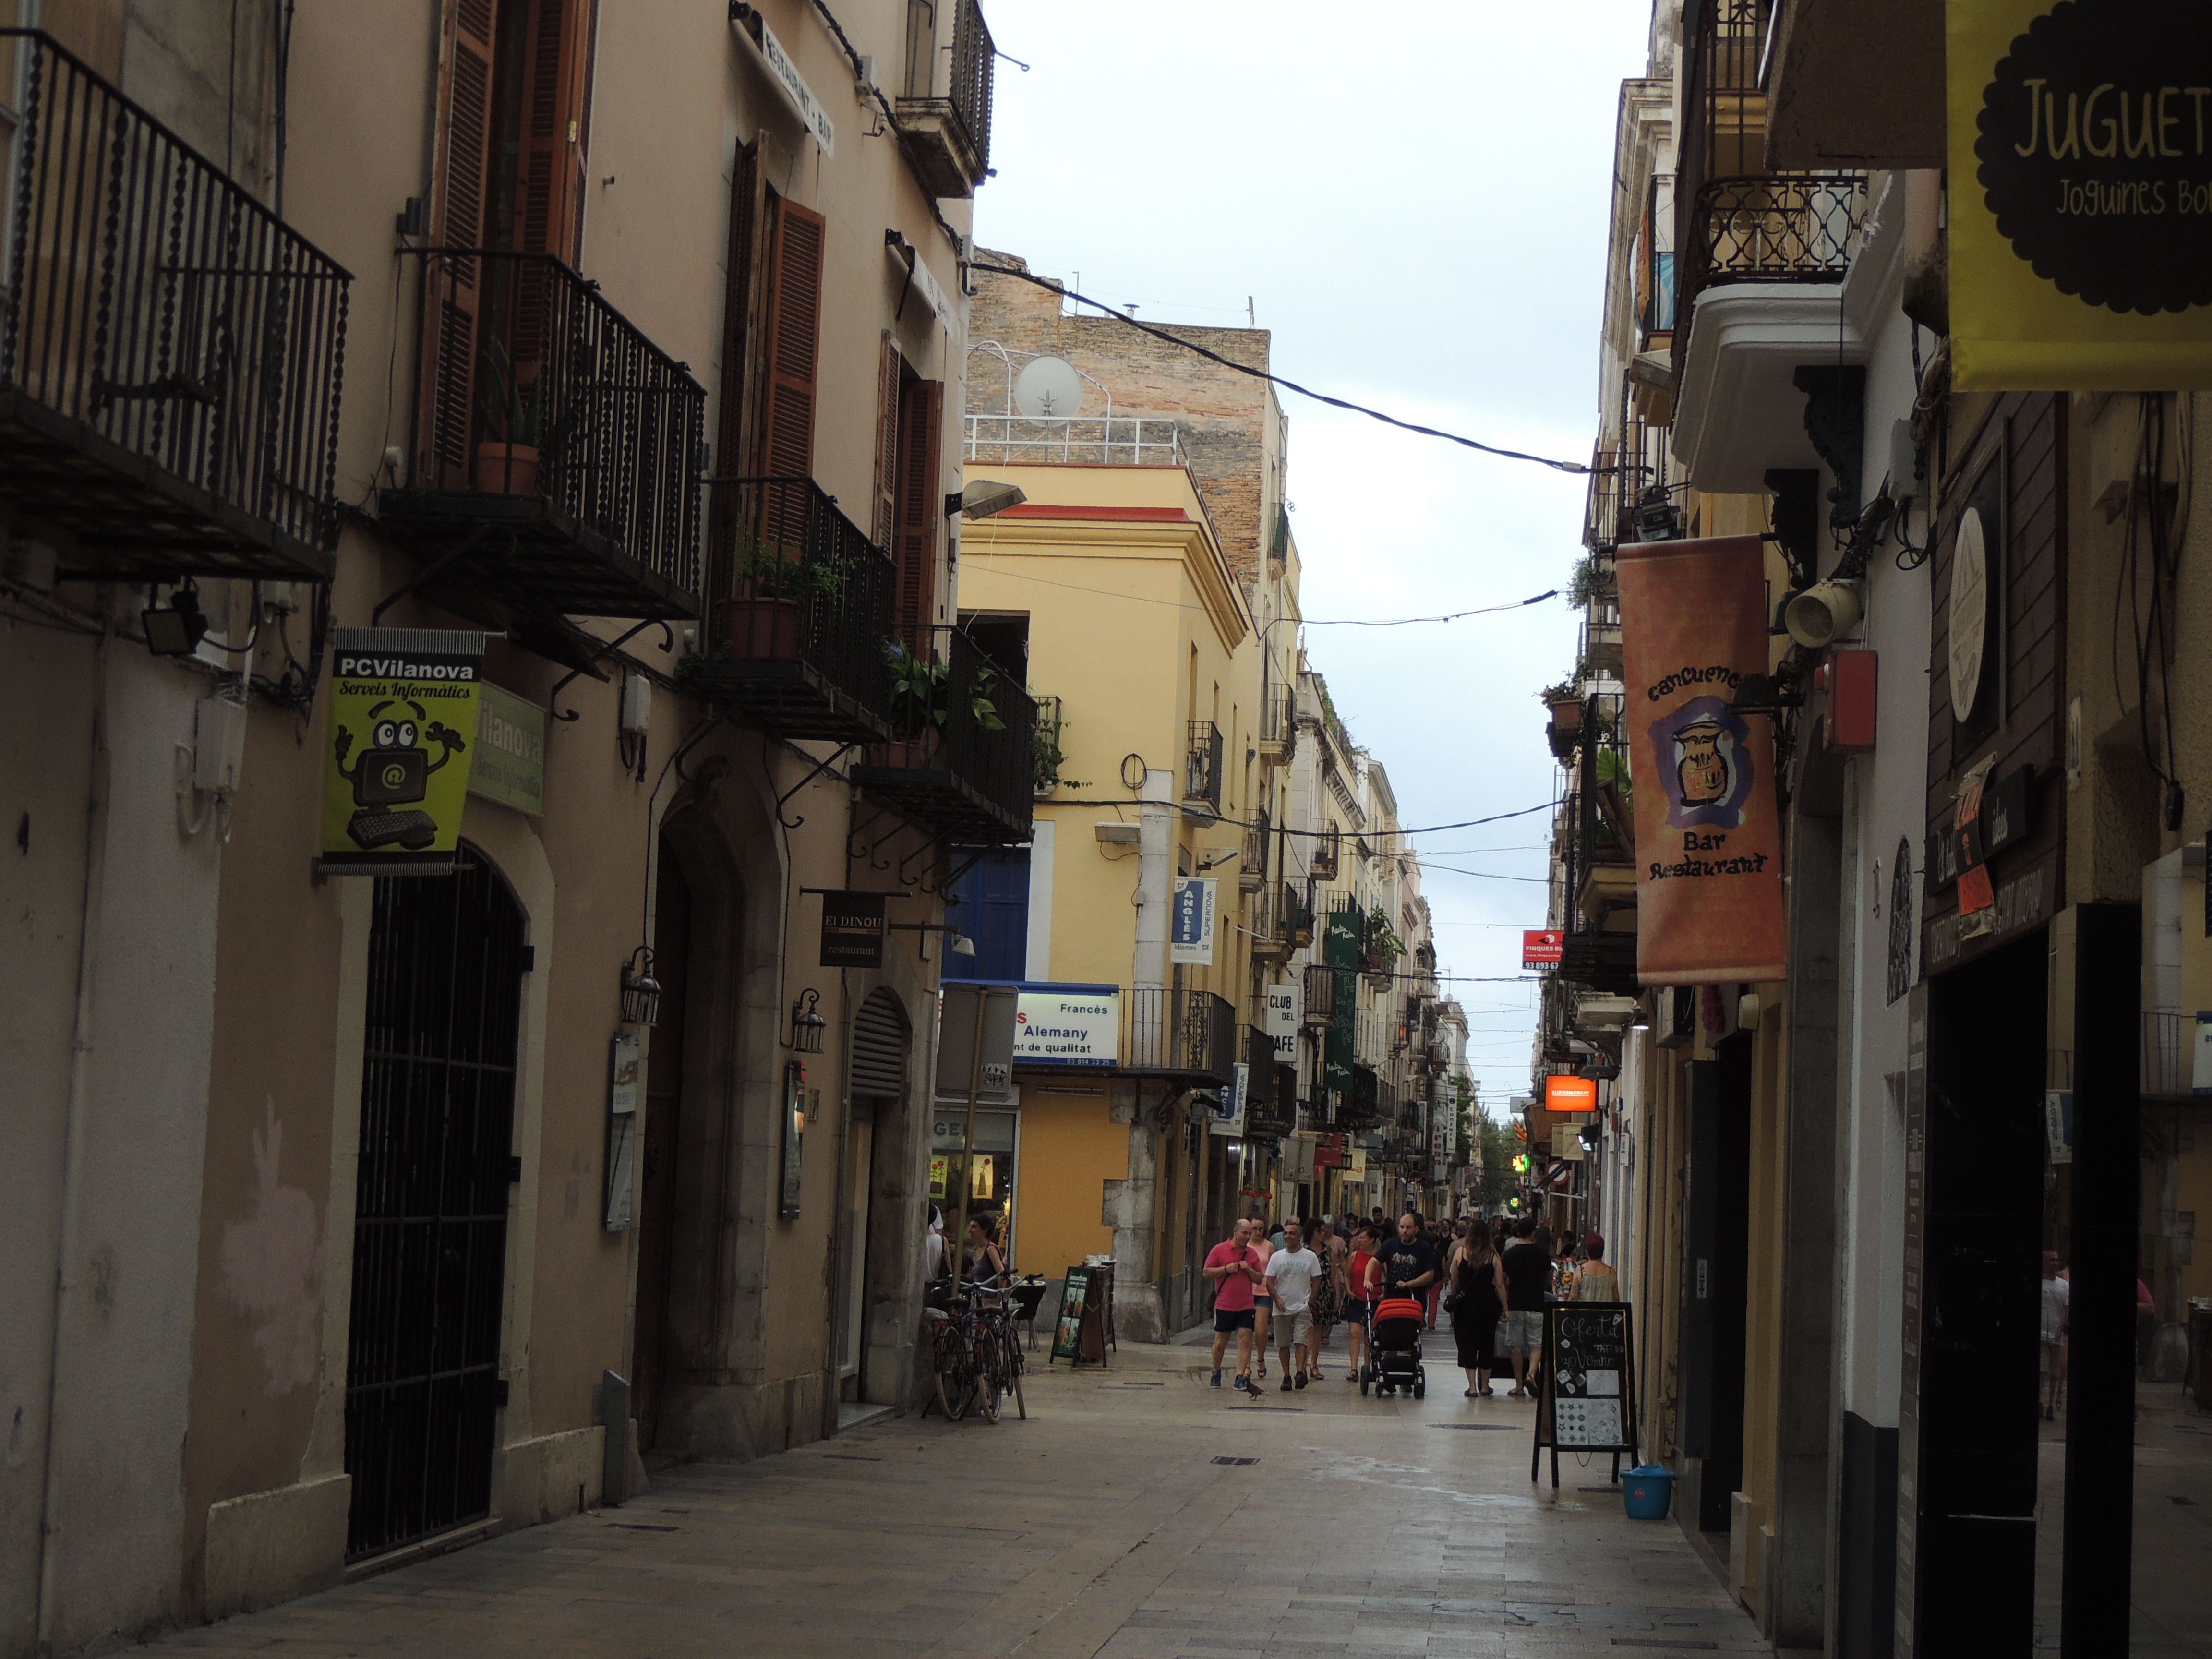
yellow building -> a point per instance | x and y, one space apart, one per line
1110 584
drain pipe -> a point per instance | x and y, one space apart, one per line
1155 863
67 1274
1139 1309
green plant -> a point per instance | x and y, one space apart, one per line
515 414
1383 946
919 690
1558 692
1591 580
771 575
1046 754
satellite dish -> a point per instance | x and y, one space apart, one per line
1048 388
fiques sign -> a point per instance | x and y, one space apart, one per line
2081 206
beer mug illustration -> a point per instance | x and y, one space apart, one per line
1703 770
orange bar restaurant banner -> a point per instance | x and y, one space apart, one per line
1708 838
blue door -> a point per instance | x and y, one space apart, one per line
990 903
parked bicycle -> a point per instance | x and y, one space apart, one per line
975 1357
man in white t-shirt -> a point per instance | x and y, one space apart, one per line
2056 1293
1291 1271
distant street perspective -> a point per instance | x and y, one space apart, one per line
1166 830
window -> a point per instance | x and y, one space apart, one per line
990 904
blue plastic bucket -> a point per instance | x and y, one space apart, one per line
1648 1489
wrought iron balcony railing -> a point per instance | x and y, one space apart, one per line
557 450
171 351
963 764
1181 1033
1201 771
1278 726
945 111
800 614
1269 1108
1252 865
1270 942
1320 996
1323 860
1773 228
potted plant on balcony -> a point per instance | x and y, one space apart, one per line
1565 703
519 431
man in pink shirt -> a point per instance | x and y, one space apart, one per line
1233 1267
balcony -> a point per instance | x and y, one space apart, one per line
1202 768
800 614
944 109
1270 941
1321 861
1319 997
1180 1034
962 763
2168 1058
1252 866
1073 441
556 451
1361 1107
170 351
1278 726
1772 227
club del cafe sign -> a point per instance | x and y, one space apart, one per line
2080 194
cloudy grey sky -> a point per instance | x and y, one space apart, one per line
1414 198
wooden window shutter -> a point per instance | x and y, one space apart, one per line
740 331
888 375
920 500
556 76
453 290
793 324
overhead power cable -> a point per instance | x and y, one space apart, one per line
1579 468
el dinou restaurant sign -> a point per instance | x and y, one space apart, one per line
2080 194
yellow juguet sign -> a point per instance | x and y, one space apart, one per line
2080 195
396 774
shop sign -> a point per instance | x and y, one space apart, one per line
1708 836
1067 1024
1542 947
2058 1124
2021 902
1571 1094
396 774
748 20
1285 1009
1190 922
852 930
510 755
2081 201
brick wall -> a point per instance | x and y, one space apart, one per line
1223 418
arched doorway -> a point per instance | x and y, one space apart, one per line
650 1352
429 1235
877 1076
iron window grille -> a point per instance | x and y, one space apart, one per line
1202 765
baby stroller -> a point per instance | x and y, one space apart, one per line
1394 1345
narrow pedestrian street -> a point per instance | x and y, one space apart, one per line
1109 1524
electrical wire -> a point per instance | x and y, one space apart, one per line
1580 469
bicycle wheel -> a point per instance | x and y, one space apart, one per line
991 1376
1014 1372
952 1380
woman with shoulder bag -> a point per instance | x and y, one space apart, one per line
1476 1303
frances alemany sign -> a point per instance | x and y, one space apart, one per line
1067 1024
1708 840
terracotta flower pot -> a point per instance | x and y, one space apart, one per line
507 468
761 628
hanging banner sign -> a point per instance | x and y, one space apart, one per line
1190 922
1709 870
402 720
1227 1117
1285 1009
2080 197
852 930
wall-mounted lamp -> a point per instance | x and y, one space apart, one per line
174 629
807 1024
641 992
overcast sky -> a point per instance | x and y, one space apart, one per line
1414 199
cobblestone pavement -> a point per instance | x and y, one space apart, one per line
1107 1524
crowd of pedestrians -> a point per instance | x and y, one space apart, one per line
1293 1284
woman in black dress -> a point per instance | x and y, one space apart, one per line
1477 1303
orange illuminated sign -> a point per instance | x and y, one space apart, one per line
1571 1094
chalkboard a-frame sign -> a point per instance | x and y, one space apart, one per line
1588 1399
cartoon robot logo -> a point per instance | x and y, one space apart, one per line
1705 764
393 772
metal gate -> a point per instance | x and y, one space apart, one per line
429 1244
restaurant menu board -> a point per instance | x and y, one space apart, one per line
1068 1329
1589 1401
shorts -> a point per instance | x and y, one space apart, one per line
1292 1328
2052 1368
1268 1302
1359 1313
1524 1328
1225 1321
